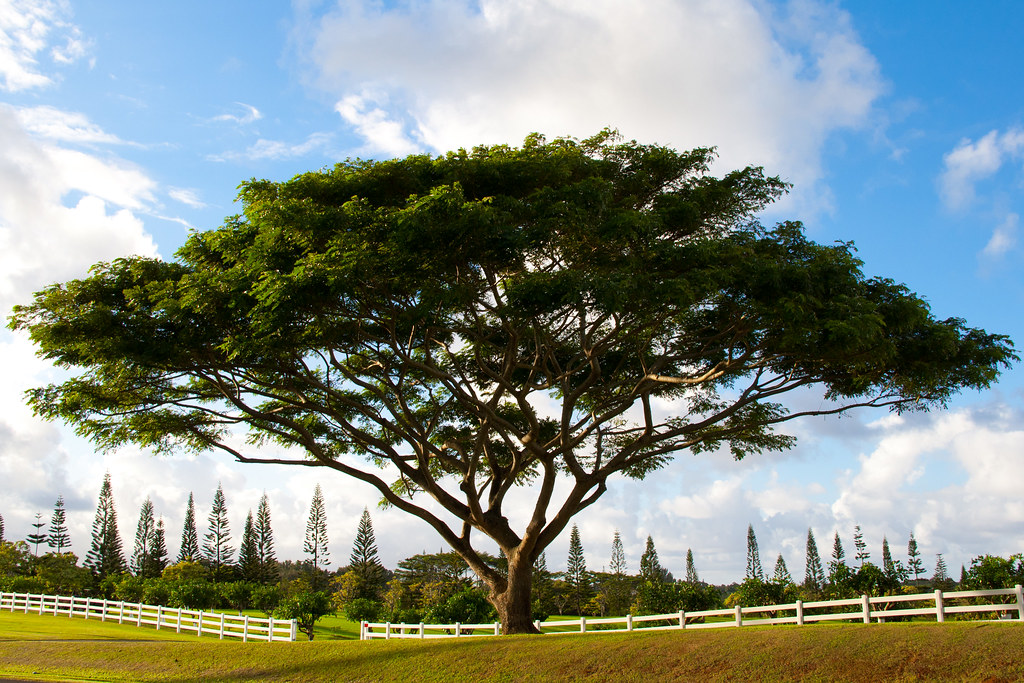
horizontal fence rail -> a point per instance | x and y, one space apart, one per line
181 620
937 605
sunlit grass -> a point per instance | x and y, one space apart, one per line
959 651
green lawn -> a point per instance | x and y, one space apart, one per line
956 651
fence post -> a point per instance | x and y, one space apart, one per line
245 629
458 629
583 624
799 612
497 628
1020 600
138 614
536 625
159 616
270 630
295 630
682 618
42 601
739 615
940 607
629 622
222 626
177 628
387 630
421 630
27 596
120 613
867 608
199 626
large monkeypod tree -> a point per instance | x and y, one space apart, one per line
458 327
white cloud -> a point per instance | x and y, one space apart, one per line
1004 237
56 125
766 89
187 196
277 150
250 114
28 29
971 162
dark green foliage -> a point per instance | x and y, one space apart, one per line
202 595
363 558
263 536
941 571
413 311
363 609
145 541
666 598
837 564
862 548
781 574
58 539
990 572
266 598
237 594
248 557
306 608
650 567
105 558
189 551
217 551
814 575
468 606
755 592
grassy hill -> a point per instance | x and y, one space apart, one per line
49 648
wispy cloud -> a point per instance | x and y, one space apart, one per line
277 150
29 30
186 196
63 126
250 114
1004 237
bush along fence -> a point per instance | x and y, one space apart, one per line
865 608
181 620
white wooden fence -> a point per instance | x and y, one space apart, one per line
863 609
181 620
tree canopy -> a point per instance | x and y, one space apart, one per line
462 325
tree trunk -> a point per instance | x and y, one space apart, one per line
514 604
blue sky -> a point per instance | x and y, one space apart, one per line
901 126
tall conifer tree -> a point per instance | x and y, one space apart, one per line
145 541
781 574
58 538
691 569
754 570
576 575
217 550
363 560
316 541
189 551
650 568
158 556
862 548
248 557
618 563
263 536
914 563
106 555
814 575
38 537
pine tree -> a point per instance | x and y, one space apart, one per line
263 536
1 528
754 570
216 549
189 537
316 535
145 533
650 568
59 539
106 555
862 548
914 562
158 555
618 563
887 564
38 538
781 575
814 575
576 575
941 573
691 570
838 556
363 558
963 577
248 557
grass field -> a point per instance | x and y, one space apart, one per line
42 648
